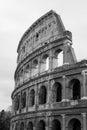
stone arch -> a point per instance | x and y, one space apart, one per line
74 124
23 100
16 126
42 95
30 126
35 67
56 125
41 125
45 63
58 58
16 102
12 126
32 97
22 126
56 92
27 71
75 89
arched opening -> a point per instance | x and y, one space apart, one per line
32 98
41 125
30 126
16 102
16 126
22 126
58 58
12 126
75 89
74 124
27 71
35 67
42 95
57 92
56 125
21 75
45 63
24 100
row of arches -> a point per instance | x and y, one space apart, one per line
74 92
40 65
74 124
44 32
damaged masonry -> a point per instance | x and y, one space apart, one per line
50 84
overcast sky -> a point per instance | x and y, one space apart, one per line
15 18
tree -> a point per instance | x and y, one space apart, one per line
5 120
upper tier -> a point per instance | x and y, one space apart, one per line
41 31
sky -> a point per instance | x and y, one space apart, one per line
16 16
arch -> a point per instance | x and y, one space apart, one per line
42 95
35 67
27 71
41 125
56 125
22 126
74 124
30 126
57 92
58 58
45 63
16 126
12 126
32 97
16 102
23 100
75 89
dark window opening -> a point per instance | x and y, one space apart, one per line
76 90
74 124
16 126
41 125
24 100
42 95
32 98
22 126
56 125
30 126
57 92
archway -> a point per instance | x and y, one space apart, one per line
30 126
42 95
74 124
22 126
41 125
56 125
32 98
75 89
57 92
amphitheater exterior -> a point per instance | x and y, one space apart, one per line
50 84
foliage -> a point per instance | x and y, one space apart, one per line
5 120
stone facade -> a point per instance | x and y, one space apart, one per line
50 85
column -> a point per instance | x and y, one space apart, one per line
63 122
64 92
84 121
84 95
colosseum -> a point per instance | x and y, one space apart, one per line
50 84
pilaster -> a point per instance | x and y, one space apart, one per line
84 121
